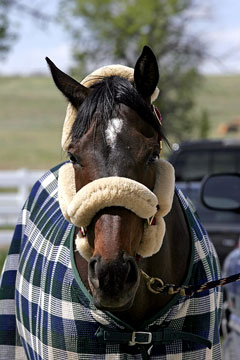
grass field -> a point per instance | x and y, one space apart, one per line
32 112
31 117
219 95
3 254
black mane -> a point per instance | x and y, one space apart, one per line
105 98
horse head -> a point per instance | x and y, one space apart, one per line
114 150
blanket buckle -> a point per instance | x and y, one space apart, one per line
141 337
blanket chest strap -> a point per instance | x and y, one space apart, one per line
163 336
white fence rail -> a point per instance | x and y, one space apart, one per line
14 189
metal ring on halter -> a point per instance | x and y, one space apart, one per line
151 281
150 220
161 147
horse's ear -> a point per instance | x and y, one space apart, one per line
146 74
72 89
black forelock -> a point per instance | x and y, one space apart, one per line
105 98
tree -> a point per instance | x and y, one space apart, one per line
204 127
6 36
114 31
22 9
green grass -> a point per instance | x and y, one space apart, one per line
32 112
31 117
219 95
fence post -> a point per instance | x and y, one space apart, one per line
23 185
14 190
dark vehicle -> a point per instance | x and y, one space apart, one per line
193 161
222 192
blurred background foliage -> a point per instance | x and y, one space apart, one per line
6 36
114 31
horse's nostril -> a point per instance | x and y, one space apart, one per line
92 266
132 272
92 270
113 276
95 283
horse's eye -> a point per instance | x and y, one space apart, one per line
72 158
154 157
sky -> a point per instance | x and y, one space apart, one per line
216 22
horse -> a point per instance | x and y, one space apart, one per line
95 227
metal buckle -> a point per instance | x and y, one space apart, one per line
134 335
83 231
150 220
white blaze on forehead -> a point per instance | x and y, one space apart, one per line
114 127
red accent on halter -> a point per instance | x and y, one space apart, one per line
138 257
158 114
154 221
83 231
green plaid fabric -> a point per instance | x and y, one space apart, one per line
46 313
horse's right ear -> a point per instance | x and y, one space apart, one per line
72 89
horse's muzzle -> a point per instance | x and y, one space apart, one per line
113 284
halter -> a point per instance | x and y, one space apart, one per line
159 118
112 191
154 233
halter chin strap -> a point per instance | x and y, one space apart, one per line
80 207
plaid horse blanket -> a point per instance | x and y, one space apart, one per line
46 312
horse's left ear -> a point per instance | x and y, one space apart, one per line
72 89
146 74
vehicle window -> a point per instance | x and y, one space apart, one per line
218 217
192 166
195 164
208 216
225 161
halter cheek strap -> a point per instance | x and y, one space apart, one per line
80 207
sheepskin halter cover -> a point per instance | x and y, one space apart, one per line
110 70
79 207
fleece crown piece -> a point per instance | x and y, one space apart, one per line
110 70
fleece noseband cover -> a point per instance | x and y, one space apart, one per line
79 207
